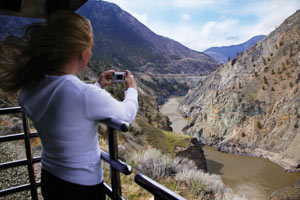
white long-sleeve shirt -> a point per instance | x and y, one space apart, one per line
65 112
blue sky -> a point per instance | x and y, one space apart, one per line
200 24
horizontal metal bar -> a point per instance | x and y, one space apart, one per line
117 164
156 189
108 191
17 136
18 163
18 188
10 110
115 124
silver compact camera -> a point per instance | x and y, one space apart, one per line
118 77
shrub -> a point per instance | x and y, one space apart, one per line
265 80
153 163
266 69
199 181
203 185
273 72
233 61
281 43
259 125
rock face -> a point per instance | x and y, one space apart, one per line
251 105
196 154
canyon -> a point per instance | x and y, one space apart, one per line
251 105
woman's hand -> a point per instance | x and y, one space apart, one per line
129 80
105 78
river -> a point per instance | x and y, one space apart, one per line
256 178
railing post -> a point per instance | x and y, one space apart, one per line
33 186
113 154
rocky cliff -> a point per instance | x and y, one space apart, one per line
251 105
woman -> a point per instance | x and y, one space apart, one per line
63 109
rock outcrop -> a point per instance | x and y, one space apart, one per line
287 193
251 105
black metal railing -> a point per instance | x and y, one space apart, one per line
159 191
116 166
29 160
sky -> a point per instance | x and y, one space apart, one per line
201 24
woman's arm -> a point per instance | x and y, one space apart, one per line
100 104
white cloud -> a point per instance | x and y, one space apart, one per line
212 33
227 28
186 17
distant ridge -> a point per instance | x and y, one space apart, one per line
221 54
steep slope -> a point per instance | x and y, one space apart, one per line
221 54
251 105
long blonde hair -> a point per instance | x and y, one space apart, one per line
44 49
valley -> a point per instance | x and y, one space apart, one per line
245 112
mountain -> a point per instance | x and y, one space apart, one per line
14 25
122 40
221 54
251 105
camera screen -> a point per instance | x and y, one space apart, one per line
119 77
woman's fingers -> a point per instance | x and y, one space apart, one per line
129 80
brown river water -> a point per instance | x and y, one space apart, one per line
256 178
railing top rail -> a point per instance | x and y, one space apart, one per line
11 110
113 123
158 190
116 124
